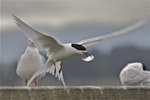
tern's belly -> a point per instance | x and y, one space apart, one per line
61 55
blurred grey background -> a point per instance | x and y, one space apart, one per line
72 21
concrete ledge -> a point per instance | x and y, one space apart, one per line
75 93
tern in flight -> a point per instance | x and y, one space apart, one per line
57 51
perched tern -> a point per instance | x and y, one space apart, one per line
135 74
57 52
30 62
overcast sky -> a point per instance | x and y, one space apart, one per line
63 13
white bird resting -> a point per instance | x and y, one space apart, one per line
57 51
135 74
30 62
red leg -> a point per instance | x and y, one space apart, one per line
35 83
26 81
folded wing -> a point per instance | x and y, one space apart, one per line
136 77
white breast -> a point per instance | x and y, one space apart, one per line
29 63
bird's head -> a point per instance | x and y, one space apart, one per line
82 50
30 43
144 67
137 66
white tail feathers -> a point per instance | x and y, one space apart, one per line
56 70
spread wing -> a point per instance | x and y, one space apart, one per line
121 32
41 40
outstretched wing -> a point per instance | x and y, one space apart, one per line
41 40
57 71
121 32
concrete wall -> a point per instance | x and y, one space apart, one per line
75 93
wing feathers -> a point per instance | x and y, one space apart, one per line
57 71
121 32
43 41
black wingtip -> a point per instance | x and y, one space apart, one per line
14 17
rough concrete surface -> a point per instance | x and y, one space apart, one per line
75 93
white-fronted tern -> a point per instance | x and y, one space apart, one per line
57 51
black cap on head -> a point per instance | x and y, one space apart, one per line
78 47
144 67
